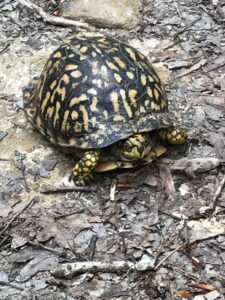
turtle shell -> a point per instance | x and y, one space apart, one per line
95 91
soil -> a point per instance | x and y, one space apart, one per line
168 216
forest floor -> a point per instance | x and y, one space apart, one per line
166 218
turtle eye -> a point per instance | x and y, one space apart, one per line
126 147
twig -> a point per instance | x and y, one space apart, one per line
11 285
186 27
69 270
16 216
92 246
193 68
53 19
69 214
5 48
166 257
50 190
112 196
187 274
40 246
217 194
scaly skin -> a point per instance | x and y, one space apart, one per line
133 148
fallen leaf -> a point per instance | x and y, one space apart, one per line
43 262
203 229
203 286
94 219
195 165
184 294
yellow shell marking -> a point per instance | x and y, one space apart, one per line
65 78
93 121
118 118
142 109
163 104
160 90
83 49
65 117
74 115
132 95
53 85
97 50
149 91
112 66
119 61
156 93
58 54
45 101
77 100
97 82
147 103
155 106
94 68
50 111
117 77
85 116
39 122
143 79
94 103
104 71
156 78
71 67
114 100
125 103
131 53
76 74
60 91
150 78
130 75
92 91
56 117
103 40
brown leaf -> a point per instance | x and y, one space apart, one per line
203 286
184 294
94 219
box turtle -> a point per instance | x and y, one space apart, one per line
102 100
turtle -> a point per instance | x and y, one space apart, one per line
101 99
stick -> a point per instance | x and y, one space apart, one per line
50 190
53 19
217 193
71 269
165 258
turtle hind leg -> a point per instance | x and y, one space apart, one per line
174 136
82 170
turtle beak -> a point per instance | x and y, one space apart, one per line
144 151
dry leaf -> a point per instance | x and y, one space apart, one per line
203 229
94 219
184 294
203 286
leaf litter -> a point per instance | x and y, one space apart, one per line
169 213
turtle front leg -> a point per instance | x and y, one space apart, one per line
85 165
174 136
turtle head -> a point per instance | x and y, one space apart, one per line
135 147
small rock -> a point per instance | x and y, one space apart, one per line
106 13
212 295
2 135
